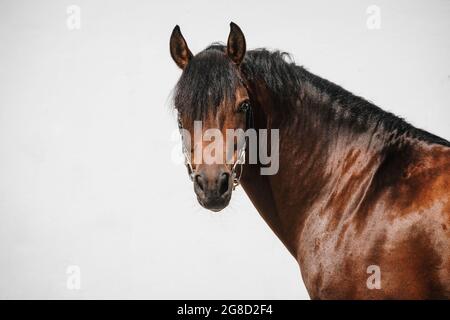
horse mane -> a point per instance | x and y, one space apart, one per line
209 78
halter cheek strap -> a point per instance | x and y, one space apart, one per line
186 153
239 162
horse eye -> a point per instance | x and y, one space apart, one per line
244 106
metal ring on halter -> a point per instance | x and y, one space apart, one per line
239 161
188 164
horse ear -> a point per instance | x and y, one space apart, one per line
178 48
236 44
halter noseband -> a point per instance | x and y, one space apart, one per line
240 154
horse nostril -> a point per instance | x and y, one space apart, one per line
199 181
224 182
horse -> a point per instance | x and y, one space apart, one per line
361 197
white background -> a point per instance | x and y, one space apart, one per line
86 137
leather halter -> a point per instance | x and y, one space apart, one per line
240 154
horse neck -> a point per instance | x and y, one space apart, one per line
314 155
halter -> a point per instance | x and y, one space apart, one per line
240 154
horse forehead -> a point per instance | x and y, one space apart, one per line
221 120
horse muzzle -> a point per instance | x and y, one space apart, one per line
213 186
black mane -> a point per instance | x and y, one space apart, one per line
210 77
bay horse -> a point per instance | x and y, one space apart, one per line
359 192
